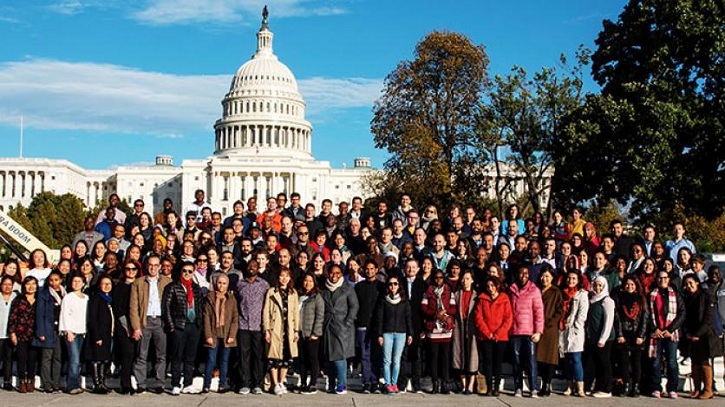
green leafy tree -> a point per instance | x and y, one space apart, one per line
55 219
654 137
521 121
425 119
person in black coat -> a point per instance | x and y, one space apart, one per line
99 333
394 327
698 336
368 291
181 309
630 330
414 288
125 346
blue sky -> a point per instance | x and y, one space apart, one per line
112 82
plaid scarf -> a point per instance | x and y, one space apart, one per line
658 306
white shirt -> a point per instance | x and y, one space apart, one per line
39 274
73 311
154 309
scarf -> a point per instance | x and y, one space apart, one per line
438 292
105 297
332 287
394 299
662 314
219 309
605 292
58 298
569 293
629 305
189 291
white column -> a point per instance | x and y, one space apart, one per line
26 184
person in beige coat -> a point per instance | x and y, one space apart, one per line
221 323
280 319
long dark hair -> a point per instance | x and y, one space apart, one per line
401 292
315 288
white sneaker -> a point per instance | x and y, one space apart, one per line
518 393
176 391
244 390
602 395
278 389
188 390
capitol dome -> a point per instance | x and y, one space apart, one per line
263 112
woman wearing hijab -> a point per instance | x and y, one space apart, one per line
599 339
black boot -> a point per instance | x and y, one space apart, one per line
634 390
444 387
102 371
496 384
545 389
435 389
96 375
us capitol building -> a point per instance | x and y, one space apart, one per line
262 146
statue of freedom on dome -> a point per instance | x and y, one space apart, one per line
265 14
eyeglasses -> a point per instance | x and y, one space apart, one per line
392 284
138 205
187 271
302 233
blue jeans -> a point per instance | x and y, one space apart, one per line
393 344
573 368
362 340
524 353
337 370
668 349
222 352
74 362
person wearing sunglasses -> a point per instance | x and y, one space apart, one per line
395 329
182 311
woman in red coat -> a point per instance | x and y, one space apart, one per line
493 322
438 308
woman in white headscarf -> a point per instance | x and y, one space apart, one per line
599 339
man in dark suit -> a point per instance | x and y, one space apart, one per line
414 288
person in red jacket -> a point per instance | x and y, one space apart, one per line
494 318
526 330
438 307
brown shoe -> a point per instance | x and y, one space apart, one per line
706 392
30 385
22 388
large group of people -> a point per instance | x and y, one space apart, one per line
393 295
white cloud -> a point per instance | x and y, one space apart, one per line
164 12
68 7
103 98
329 93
